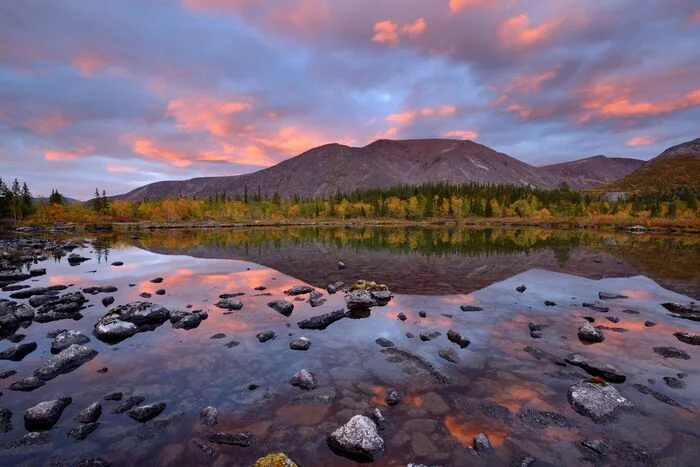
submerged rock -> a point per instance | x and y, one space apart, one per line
44 415
209 416
17 352
690 311
588 333
129 404
358 437
27 384
597 368
450 355
412 362
229 304
521 288
600 402
429 335
65 361
145 413
392 397
304 379
82 431
265 336
596 306
237 439
5 420
656 395
282 306
316 299
90 414
671 352
322 321
482 445
335 287
383 342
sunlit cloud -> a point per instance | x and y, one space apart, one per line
204 113
59 155
461 134
415 29
531 82
640 141
606 101
694 18
459 5
153 150
410 115
528 112
517 32
387 32
88 63
47 125
118 168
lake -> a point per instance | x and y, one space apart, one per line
512 382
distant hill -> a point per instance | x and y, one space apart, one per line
45 199
593 171
334 168
676 166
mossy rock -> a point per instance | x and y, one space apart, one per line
370 286
275 460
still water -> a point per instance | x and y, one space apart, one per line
493 388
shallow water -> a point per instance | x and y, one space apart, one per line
431 270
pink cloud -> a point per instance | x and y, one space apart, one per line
462 134
47 125
410 115
529 113
694 18
517 32
640 141
153 150
116 168
458 5
531 82
205 113
414 29
87 63
385 32
54 155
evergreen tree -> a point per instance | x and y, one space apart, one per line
16 200
104 202
5 200
96 202
26 200
56 197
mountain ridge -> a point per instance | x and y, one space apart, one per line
335 168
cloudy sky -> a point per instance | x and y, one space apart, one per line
116 94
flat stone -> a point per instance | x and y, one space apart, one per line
90 414
457 338
358 437
265 336
27 384
299 290
301 343
610 296
229 304
597 368
382 342
322 321
145 413
65 361
67 338
600 402
688 338
237 439
450 355
81 432
17 352
470 308
672 352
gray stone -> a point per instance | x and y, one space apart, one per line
688 338
358 437
304 379
265 336
359 299
392 397
299 290
237 439
482 445
450 355
610 296
65 361
145 413
322 321
230 304
470 308
302 343
44 415
17 352
282 306
672 352
600 402
382 342
27 384
81 432
90 414
457 338
335 287
588 333
67 338
5 420
597 368
209 416
129 404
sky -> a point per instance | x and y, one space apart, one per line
117 94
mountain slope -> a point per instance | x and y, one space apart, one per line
333 168
593 171
676 166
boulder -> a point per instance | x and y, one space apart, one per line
597 368
229 304
65 361
600 402
90 414
302 343
44 415
588 333
282 306
299 290
17 352
145 413
358 438
304 379
67 338
457 338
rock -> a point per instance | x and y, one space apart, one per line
26 293
549 303
114 396
382 342
107 301
521 288
45 414
631 312
429 335
7 374
82 431
335 287
544 418
341 265
392 397
186 319
5 420
450 355
482 445
218 335
204 449
588 333
145 413
224 296
316 299
322 321
470 308
613 319
412 363
145 295
67 338
304 379
422 314
232 344
671 352
536 334
610 296
34 438
597 368
359 299
27 384
656 395
100 289
600 402
129 404
90 414
229 304
457 338
302 343
688 338
524 461
65 361
238 439
34 272
118 263
75 259
410 335
649 324
17 352
265 336
160 292
209 416
379 419
126 320
275 460
299 290
157 280
596 306
673 382
358 438
282 306
401 317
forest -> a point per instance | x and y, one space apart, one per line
428 202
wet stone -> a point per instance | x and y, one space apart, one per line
335 287
90 414
429 335
588 333
145 413
631 312
543 418
649 324
27 384
613 319
218 335
232 344
283 307
671 352
237 439
673 382
597 368
81 432
610 296
457 338
129 404
596 306
160 292
5 420
107 301
303 379
67 338
65 361
157 280
7 374
302 343
450 355
115 396
229 304
17 352
422 314
322 321
470 308
45 414
392 397
145 295
524 461
401 317
482 445
265 336
549 303
688 338
204 449
656 395
521 288
382 342
299 290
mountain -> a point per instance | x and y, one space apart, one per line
676 166
593 171
334 168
